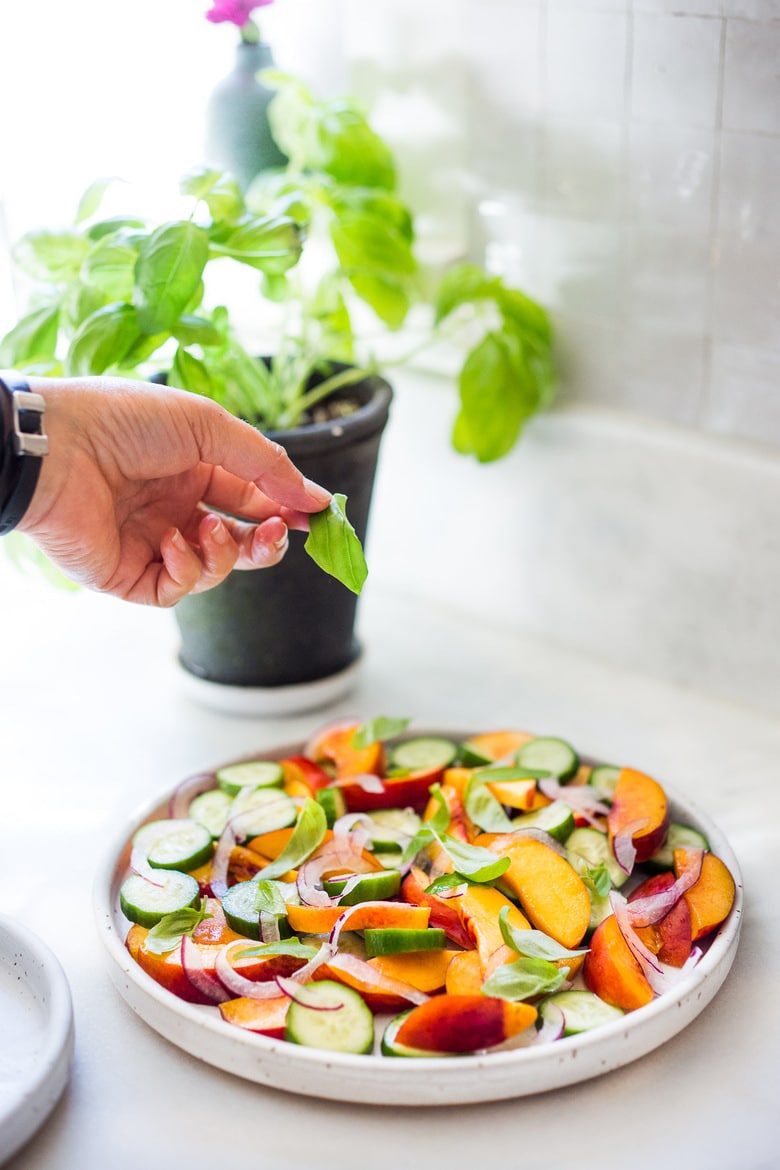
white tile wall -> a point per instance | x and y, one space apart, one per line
634 147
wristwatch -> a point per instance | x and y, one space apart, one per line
24 446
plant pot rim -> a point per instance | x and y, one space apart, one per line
375 394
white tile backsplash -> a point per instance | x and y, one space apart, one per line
669 176
751 85
750 187
746 294
743 398
586 53
676 63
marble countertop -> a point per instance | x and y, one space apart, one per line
96 723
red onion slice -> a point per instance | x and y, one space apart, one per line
553 1025
580 798
269 927
647 911
660 976
291 988
338 855
239 984
454 891
365 780
185 792
139 863
202 980
360 969
623 844
543 836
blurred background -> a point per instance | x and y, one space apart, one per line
617 159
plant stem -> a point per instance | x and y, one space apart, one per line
327 387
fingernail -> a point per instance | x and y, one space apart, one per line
316 490
218 530
282 543
178 540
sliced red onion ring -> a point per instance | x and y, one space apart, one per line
356 827
365 780
660 976
360 969
454 891
269 927
234 831
337 856
239 984
291 988
553 1025
623 844
202 980
139 863
649 910
541 835
580 798
184 793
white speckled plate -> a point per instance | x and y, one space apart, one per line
36 1034
379 1080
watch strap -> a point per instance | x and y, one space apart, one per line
24 446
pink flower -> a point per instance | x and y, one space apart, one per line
238 12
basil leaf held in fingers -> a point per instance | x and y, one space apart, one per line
333 544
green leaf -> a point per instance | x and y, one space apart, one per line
534 944
524 979
525 314
33 336
219 191
598 879
333 544
481 805
513 772
270 899
189 373
128 228
461 285
102 340
378 730
481 865
342 144
497 395
80 301
379 264
306 836
110 266
193 330
51 256
168 273
285 946
445 882
170 930
92 198
271 244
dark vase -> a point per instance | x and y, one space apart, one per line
238 136
292 624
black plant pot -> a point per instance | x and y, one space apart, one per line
292 624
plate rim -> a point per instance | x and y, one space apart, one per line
37 1093
434 1081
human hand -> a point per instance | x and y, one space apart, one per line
132 495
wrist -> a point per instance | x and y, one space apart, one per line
24 445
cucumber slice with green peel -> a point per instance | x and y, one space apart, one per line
146 903
469 757
370 887
330 1016
269 809
557 819
678 837
390 1046
211 809
250 774
148 834
582 1010
397 940
184 849
590 848
551 755
395 827
603 778
333 804
425 752
242 913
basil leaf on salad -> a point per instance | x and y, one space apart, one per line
306 836
534 944
333 544
481 865
170 930
525 978
378 730
482 807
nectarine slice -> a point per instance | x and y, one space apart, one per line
710 899
611 971
463 1023
641 801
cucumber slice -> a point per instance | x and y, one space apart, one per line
146 904
239 904
270 808
331 1016
469 757
588 849
390 1046
397 940
549 754
148 835
332 803
372 887
187 847
395 828
604 777
678 837
250 774
211 809
557 819
582 1010
423 753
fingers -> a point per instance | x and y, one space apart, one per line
229 493
222 545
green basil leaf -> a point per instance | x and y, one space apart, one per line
110 266
219 191
444 882
378 263
170 930
534 944
286 946
524 979
51 256
192 330
513 772
378 730
168 274
439 822
482 807
524 314
463 284
270 243
102 340
306 836
80 301
333 544
92 198
33 336
270 898
598 879
189 373
481 865
494 402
